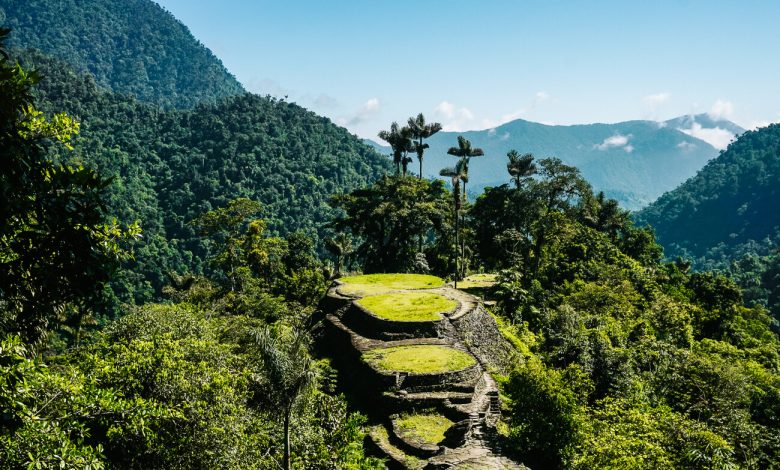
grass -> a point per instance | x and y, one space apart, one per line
372 284
428 428
419 359
478 281
380 434
408 306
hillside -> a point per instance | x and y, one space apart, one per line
633 162
133 47
731 202
171 166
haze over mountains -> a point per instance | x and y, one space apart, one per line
634 162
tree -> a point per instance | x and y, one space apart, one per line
341 247
465 152
288 371
389 217
558 187
400 140
421 130
520 167
456 174
57 247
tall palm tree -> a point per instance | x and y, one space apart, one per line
341 247
520 167
458 174
421 130
288 371
465 152
400 140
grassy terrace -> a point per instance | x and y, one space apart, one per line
428 428
372 284
408 306
419 359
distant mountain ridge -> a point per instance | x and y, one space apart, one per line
634 162
730 206
130 46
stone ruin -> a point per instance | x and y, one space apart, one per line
468 397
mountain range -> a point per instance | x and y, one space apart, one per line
729 209
131 47
634 162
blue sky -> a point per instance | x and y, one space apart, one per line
477 64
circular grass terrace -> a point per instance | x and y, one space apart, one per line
408 306
419 359
427 428
373 284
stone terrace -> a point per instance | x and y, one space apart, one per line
432 406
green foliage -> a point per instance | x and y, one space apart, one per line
168 168
132 47
545 416
728 210
630 362
390 217
57 246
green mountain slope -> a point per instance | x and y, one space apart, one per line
171 166
633 162
130 46
730 205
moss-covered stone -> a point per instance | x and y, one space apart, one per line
372 284
419 359
408 306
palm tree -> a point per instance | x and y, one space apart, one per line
465 152
340 246
520 167
400 139
288 370
420 130
457 174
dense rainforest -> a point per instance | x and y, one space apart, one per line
131 47
726 218
168 167
159 271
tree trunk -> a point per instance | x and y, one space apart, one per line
286 462
457 244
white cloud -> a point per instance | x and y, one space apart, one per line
686 146
445 109
722 110
717 137
656 99
541 96
369 109
491 132
504 136
456 119
616 141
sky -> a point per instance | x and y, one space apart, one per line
478 64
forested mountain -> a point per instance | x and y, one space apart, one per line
730 205
171 166
129 46
633 162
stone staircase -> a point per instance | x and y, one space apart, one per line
468 397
